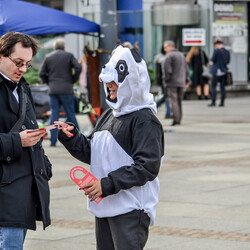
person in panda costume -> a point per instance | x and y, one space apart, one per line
125 152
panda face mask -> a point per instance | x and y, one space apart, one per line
126 82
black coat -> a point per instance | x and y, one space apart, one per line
57 71
197 63
24 189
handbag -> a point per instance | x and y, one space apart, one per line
206 69
229 80
205 72
229 75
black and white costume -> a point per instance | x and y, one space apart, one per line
126 148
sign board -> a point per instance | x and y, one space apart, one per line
194 37
231 25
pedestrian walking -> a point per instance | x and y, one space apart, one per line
57 71
220 59
24 168
175 77
125 152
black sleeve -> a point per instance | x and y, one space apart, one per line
43 74
10 146
77 67
147 152
78 146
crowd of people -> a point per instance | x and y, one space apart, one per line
175 72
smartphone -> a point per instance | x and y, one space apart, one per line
46 128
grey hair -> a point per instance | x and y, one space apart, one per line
170 43
59 44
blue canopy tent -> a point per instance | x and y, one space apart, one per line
33 19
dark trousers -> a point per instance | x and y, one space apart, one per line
176 95
215 80
123 232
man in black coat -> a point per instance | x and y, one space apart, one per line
57 71
24 168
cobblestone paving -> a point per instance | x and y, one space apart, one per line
167 231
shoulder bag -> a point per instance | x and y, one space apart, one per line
229 75
206 69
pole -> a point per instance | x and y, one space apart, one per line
108 37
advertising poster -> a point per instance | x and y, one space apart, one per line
230 24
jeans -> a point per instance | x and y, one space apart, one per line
215 80
12 238
68 103
168 109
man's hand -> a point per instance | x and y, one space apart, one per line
93 189
31 137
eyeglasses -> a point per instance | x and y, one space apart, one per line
20 64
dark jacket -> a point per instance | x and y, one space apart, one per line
24 189
57 71
126 153
175 70
220 59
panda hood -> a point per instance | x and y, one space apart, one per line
129 71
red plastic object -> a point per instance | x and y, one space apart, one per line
85 180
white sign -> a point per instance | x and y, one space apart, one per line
194 37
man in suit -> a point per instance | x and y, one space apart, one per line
220 59
24 168
175 76
57 72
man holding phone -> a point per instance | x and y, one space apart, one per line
24 168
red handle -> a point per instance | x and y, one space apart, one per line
85 180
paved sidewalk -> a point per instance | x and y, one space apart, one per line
205 186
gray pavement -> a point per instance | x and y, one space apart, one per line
205 186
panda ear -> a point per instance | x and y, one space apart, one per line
136 55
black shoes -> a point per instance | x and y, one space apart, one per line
53 145
205 97
175 123
211 105
168 116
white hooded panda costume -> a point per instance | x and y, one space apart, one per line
126 147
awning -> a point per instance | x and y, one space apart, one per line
33 19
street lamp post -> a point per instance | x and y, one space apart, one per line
108 36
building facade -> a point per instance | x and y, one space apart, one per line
152 21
